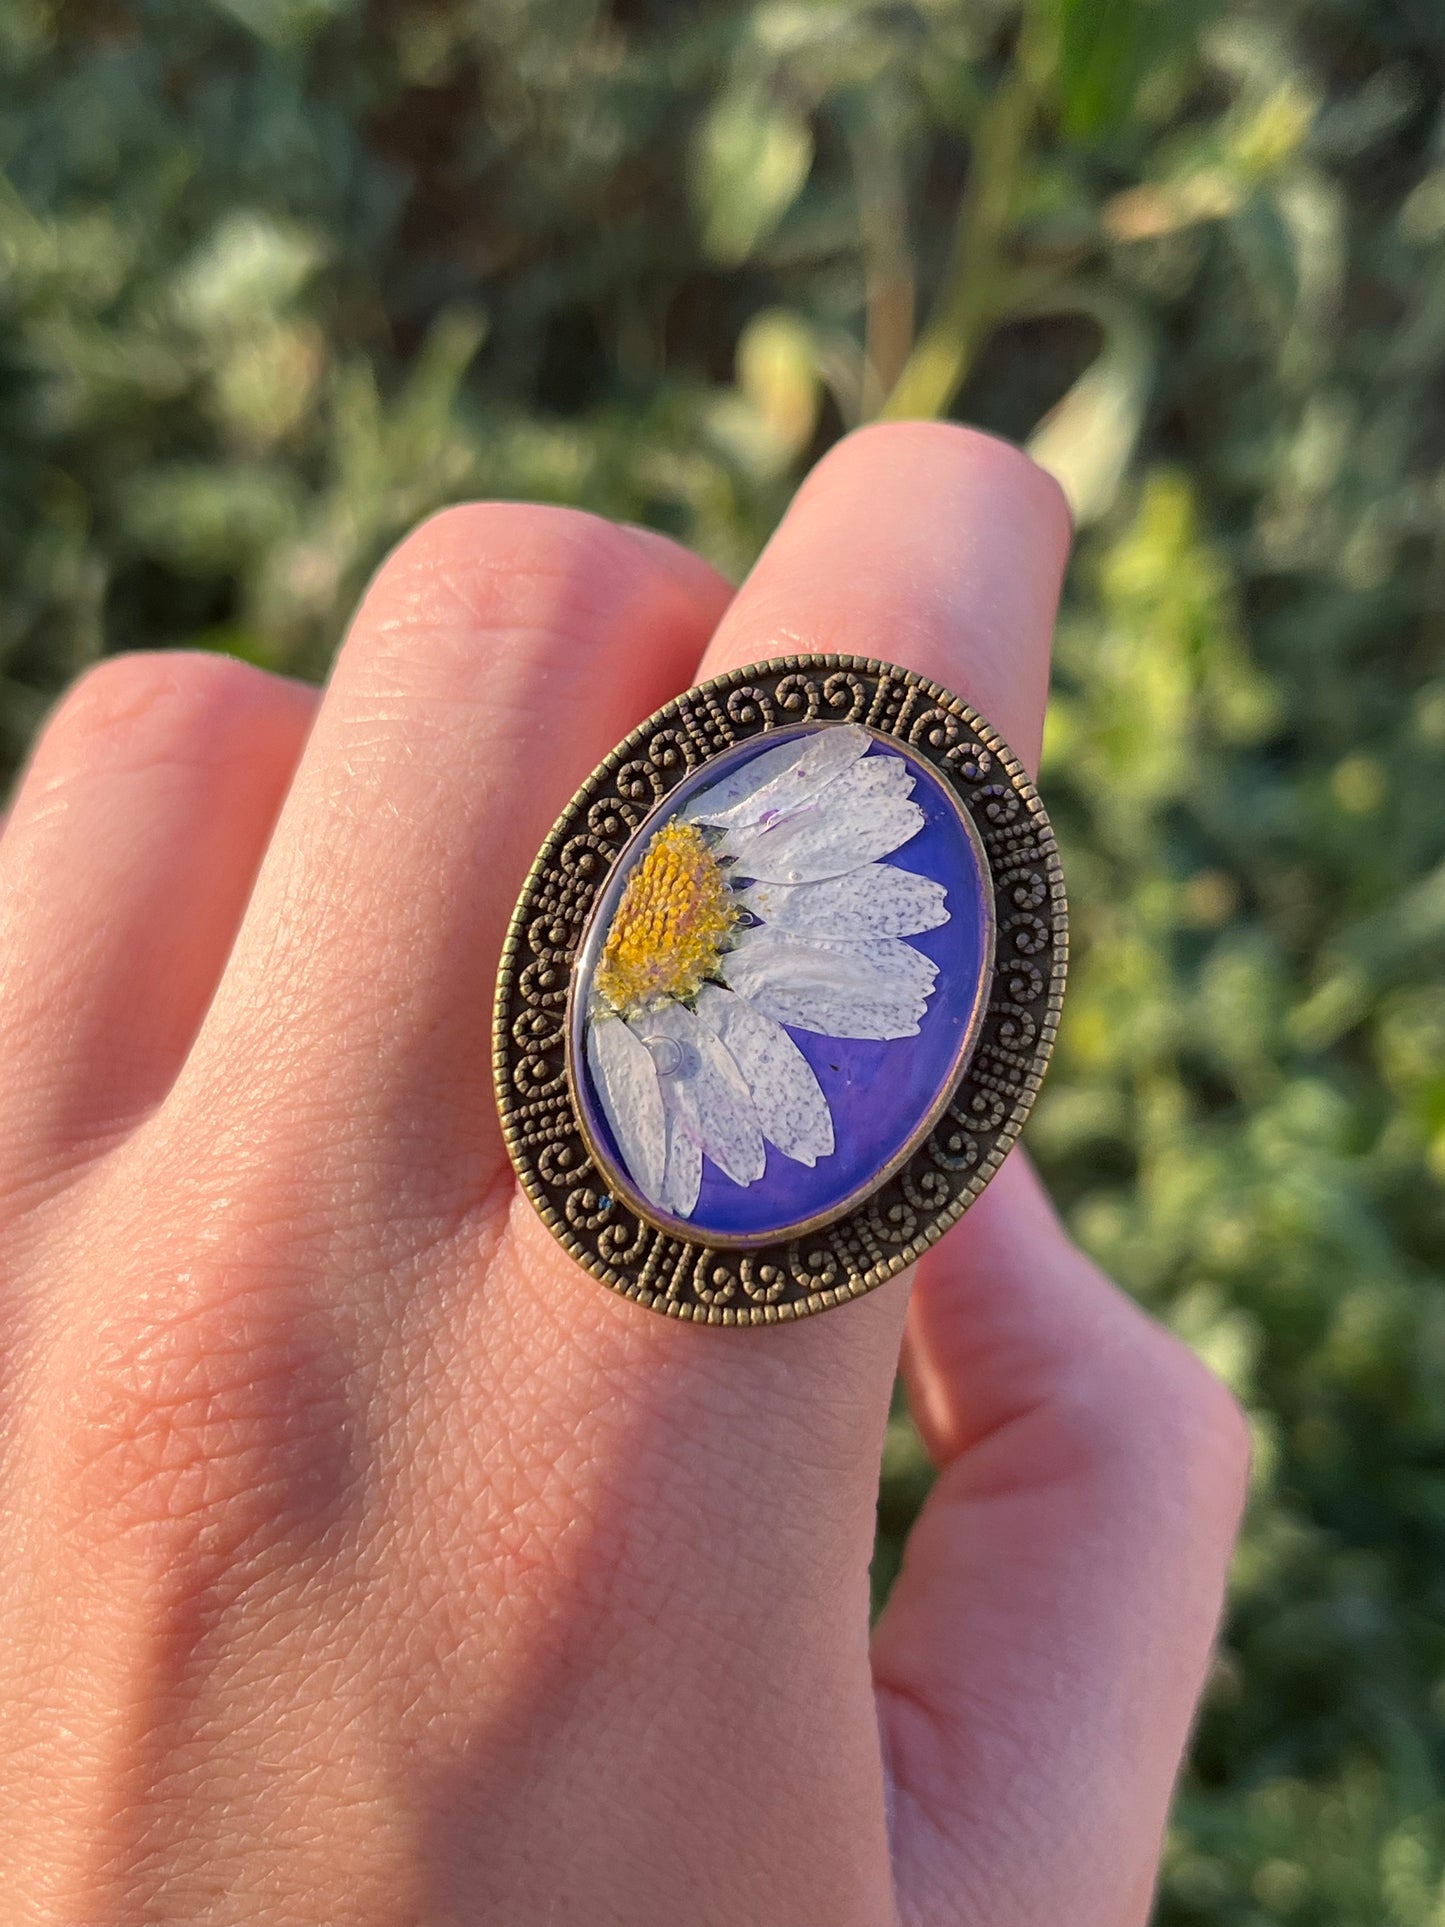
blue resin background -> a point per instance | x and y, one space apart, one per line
878 1092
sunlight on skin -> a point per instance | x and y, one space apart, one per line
360 1558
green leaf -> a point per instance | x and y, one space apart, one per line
750 159
1103 51
284 23
1087 440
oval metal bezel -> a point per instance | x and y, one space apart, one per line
957 1151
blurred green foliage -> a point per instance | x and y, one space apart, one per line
280 276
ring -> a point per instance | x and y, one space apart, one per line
780 989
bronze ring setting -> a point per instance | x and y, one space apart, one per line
780 989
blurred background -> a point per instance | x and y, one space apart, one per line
279 276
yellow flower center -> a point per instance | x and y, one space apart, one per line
670 928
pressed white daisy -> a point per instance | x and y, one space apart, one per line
764 905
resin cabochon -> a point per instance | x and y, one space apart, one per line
882 1095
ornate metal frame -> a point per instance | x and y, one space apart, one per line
911 1208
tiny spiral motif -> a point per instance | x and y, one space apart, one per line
561 1160
814 1267
1017 1030
891 1220
713 1281
981 1112
543 984
846 693
749 706
1024 983
763 1283
584 857
536 1076
936 729
549 939
970 761
798 698
612 821
1028 934
537 1031
953 1149
587 1208
925 1190
672 754
639 782
623 1240
1000 803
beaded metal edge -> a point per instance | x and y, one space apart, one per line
687 1278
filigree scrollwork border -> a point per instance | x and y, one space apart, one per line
912 1209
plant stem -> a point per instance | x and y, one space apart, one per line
972 295
889 287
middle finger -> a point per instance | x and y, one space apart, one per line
502 648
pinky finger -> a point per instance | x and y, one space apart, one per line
1040 1659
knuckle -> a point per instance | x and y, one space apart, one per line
151 707
1217 1424
206 1419
120 689
483 548
518 529
1195 1431
1139 1413
487 584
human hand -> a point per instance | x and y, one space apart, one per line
362 1560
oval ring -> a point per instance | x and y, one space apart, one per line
813 965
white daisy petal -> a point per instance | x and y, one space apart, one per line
682 1179
877 900
707 1092
824 840
878 988
626 1081
787 1097
874 776
780 779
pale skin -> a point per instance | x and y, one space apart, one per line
362 1560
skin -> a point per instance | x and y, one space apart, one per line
363 1561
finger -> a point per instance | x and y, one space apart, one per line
500 652
1042 1652
131 848
753 1455
927 545
943 550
